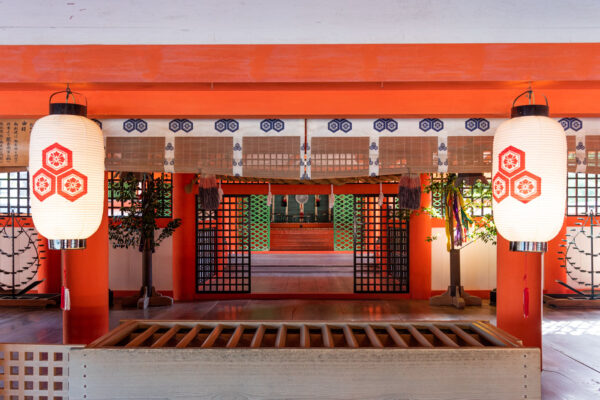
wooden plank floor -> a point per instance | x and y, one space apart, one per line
571 355
302 272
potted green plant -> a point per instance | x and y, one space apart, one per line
461 229
139 195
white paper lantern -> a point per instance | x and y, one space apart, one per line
66 166
529 178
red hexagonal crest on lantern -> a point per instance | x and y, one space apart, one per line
511 161
72 185
500 187
57 158
526 187
43 184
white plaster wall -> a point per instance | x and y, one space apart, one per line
293 21
478 264
125 268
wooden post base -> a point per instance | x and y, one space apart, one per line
460 299
143 301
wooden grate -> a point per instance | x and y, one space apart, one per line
31 371
269 334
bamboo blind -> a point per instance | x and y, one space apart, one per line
294 149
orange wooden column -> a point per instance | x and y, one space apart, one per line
513 314
420 248
184 239
552 265
50 268
87 280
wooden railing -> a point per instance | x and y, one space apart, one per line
252 334
267 359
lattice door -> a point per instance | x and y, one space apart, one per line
261 223
223 246
380 245
343 221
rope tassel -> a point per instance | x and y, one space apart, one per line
331 198
65 299
409 192
269 197
65 296
209 193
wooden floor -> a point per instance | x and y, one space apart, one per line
571 353
303 272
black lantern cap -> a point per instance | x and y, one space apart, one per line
529 109
66 107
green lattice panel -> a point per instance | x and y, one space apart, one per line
343 222
260 223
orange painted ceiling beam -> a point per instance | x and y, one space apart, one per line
445 80
582 102
300 63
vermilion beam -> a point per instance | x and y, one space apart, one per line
301 63
310 103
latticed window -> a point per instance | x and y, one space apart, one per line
166 201
479 198
14 193
582 193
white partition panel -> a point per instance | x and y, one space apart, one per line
125 268
478 264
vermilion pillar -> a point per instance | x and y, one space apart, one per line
87 280
50 268
420 248
518 313
184 239
552 265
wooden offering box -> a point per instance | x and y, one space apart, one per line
302 236
305 360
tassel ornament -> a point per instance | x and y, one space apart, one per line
331 198
208 192
269 197
65 299
65 296
220 193
409 192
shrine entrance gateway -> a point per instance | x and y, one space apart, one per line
223 254
380 246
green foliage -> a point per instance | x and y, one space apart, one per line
484 227
139 195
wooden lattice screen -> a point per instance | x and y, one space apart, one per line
32 371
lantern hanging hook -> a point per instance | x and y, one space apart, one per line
69 94
529 92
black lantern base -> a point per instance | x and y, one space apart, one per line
68 109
